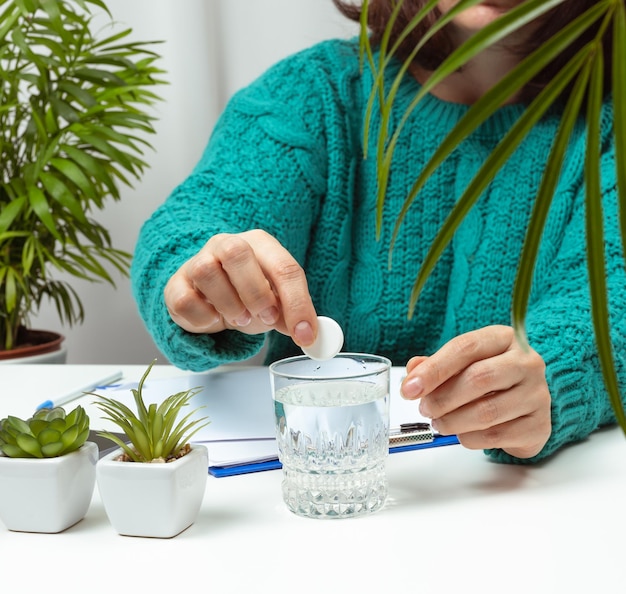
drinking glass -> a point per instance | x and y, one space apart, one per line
332 429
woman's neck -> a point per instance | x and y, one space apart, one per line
475 79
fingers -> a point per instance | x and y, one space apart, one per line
289 283
414 362
522 437
516 420
226 271
188 308
485 388
480 379
245 281
455 356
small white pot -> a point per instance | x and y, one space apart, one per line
155 500
47 494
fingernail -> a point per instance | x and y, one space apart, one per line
212 320
244 319
303 333
412 388
425 409
269 316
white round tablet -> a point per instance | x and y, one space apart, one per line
328 342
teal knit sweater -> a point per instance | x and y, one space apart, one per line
287 156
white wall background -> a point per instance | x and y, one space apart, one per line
211 48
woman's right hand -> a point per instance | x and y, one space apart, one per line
247 282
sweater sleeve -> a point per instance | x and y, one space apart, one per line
559 323
264 167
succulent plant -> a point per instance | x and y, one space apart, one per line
153 432
48 434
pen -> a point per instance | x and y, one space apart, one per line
409 433
63 400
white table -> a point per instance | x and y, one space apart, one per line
454 522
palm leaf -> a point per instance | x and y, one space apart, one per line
489 169
530 249
378 88
491 34
595 240
587 70
384 153
619 100
491 101
73 125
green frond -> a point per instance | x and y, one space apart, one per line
75 115
532 241
619 100
153 431
585 74
595 240
491 34
491 166
486 106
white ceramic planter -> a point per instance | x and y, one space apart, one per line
49 494
155 500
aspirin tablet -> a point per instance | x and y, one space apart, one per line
328 342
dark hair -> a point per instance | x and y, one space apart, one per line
439 47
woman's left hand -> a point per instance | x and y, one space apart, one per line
485 388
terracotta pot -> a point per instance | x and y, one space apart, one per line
36 346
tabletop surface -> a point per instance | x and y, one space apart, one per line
454 521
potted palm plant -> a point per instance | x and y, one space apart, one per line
73 123
47 470
154 483
599 32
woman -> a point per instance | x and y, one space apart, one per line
276 224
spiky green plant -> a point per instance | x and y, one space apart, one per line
49 433
153 431
584 75
74 118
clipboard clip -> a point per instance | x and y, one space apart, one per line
409 433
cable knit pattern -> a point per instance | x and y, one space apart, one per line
286 156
